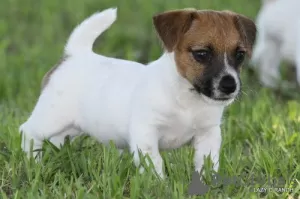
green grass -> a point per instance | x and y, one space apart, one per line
261 131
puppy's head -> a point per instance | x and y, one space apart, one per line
209 48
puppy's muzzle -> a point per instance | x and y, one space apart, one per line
227 85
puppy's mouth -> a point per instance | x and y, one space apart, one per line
221 98
212 95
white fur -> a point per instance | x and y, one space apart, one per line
278 38
145 107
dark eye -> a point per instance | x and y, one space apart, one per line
240 56
201 55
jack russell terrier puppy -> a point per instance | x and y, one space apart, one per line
177 99
278 38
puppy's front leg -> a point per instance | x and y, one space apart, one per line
144 139
208 143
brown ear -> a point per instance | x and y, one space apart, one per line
171 25
247 29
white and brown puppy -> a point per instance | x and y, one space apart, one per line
278 39
177 99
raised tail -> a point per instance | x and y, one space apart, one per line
84 35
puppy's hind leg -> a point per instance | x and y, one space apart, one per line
266 58
51 116
269 69
298 72
298 55
59 140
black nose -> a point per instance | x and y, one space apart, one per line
227 84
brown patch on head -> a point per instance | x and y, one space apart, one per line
201 39
47 76
210 31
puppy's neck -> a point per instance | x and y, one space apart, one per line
171 75
172 82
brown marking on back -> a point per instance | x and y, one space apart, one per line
47 76
221 31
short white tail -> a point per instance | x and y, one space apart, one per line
84 35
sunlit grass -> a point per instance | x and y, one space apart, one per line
261 131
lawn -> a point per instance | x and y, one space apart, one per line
261 131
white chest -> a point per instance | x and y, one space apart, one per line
181 127
176 132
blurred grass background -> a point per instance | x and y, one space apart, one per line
260 131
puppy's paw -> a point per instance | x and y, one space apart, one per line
141 170
160 174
